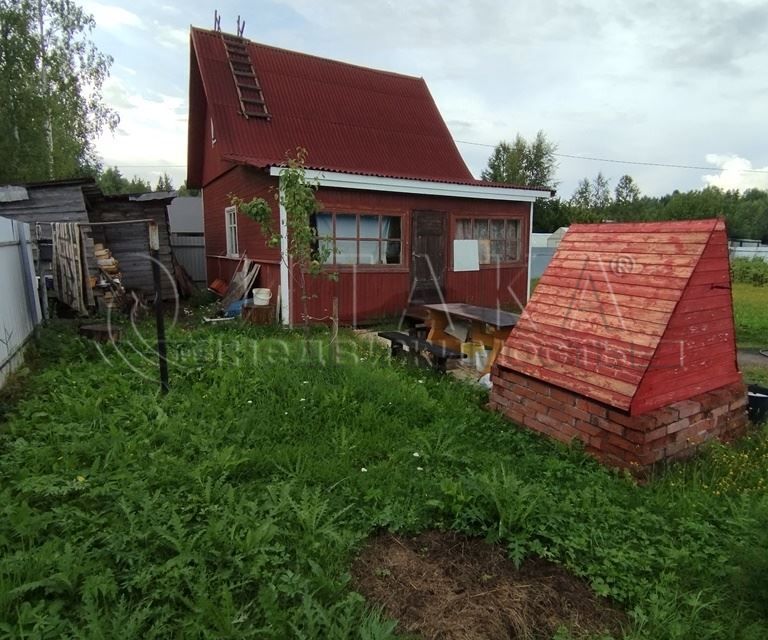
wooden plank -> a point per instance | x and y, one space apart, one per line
559 334
576 373
641 237
544 323
608 256
673 384
682 356
685 331
625 266
577 385
596 320
709 278
648 403
632 247
607 307
616 364
718 299
698 318
714 263
678 226
674 283
601 297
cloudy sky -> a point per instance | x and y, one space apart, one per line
678 83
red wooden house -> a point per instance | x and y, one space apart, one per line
394 188
628 343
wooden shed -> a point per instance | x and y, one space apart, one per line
628 342
395 191
80 201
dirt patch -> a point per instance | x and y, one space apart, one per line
442 585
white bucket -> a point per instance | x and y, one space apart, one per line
262 296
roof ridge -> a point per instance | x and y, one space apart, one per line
312 55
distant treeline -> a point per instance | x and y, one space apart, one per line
745 213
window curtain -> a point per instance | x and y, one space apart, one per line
464 229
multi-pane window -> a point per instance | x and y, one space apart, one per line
497 238
359 238
230 224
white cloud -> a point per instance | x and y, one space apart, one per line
171 38
735 173
151 137
112 17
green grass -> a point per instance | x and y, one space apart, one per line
233 507
750 306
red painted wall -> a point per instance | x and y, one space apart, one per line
246 183
213 165
365 293
368 293
698 350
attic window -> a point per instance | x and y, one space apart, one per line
249 92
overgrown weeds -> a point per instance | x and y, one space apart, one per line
234 506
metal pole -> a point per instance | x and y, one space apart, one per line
154 253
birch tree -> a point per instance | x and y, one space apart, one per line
52 76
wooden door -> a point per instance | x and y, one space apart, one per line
427 256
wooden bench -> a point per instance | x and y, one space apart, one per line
440 354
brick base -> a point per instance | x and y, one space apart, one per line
613 436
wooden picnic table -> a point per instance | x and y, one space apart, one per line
449 322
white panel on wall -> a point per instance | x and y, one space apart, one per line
466 255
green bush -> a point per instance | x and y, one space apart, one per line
750 271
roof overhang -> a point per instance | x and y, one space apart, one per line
340 180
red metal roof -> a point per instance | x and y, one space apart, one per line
349 118
633 315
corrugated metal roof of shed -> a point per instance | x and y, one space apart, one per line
349 118
602 306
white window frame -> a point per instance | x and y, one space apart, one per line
230 231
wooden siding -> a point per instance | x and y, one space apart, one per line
366 292
369 293
47 204
614 302
697 352
129 243
247 183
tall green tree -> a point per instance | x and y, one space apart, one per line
627 192
532 164
112 182
582 197
521 162
51 76
164 183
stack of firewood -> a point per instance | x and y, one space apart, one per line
109 280
106 261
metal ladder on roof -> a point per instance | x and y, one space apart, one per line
252 104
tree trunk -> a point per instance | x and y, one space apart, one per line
47 126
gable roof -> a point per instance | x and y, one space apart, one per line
614 316
350 118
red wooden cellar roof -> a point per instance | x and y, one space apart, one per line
351 119
636 316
